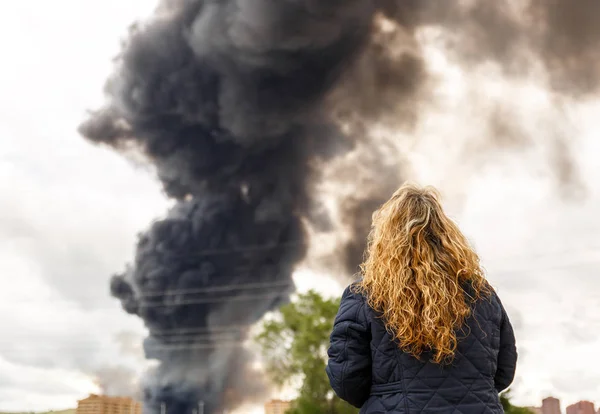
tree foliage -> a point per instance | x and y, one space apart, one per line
294 347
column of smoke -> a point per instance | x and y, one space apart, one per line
240 104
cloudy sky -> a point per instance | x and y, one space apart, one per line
70 212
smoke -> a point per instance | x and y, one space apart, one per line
225 99
520 36
550 44
117 381
255 111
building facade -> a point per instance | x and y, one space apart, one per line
277 407
102 404
550 405
582 407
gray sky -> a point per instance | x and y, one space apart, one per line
70 212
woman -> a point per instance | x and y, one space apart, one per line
421 331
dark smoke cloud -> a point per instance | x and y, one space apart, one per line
568 37
553 42
225 98
556 36
517 35
240 104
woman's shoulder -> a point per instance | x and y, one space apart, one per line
353 290
352 305
489 305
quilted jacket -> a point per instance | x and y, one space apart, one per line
368 370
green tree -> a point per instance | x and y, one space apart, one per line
294 347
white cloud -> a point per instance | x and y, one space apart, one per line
69 212
32 388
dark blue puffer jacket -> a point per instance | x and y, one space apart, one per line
367 369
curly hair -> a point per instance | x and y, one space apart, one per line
415 272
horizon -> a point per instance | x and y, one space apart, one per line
258 409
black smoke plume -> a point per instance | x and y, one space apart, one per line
240 104
224 98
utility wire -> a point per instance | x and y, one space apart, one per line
150 348
232 286
211 289
228 250
227 288
214 289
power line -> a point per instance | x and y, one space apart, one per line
231 298
282 284
196 338
201 333
270 246
200 330
149 347
549 254
214 289
177 347
547 269
211 289
199 301
247 248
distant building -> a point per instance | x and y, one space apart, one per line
550 405
277 407
582 407
102 404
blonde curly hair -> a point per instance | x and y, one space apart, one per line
416 267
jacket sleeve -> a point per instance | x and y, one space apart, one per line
507 356
349 364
